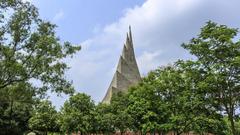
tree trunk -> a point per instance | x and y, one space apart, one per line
231 119
10 115
232 125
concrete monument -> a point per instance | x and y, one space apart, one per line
127 73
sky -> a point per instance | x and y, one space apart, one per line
159 27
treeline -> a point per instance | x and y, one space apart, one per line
199 95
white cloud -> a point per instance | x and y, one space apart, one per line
58 16
148 61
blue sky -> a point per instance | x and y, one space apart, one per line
79 20
159 28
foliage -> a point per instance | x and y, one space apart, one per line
145 107
217 59
122 120
44 118
30 49
76 114
30 52
166 101
104 119
15 108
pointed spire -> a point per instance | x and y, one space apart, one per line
130 33
129 42
127 73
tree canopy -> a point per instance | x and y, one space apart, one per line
218 51
44 118
30 49
30 53
76 114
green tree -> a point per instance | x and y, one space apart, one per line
145 107
122 120
30 52
15 108
166 100
44 118
76 114
30 49
104 119
217 52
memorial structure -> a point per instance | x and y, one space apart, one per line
127 73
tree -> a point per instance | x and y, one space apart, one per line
15 108
186 109
44 118
167 100
104 119
217 53
76 114
30 49
30 52
144 107
122 120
